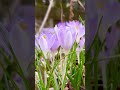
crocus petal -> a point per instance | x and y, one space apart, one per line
81 30
55 46
80 34
51 40
68 41
73 37
43 45
36 44
76 27
60 35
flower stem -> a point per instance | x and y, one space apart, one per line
64 72
45 76
78 56
55 78
61 65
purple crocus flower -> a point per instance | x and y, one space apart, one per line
47 40
77 27
56 44
65 36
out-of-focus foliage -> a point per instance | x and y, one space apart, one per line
60 7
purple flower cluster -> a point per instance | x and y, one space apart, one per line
64 34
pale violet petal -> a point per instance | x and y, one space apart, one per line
43 45
68 41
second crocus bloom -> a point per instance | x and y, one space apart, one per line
47 41
78 28
65 36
